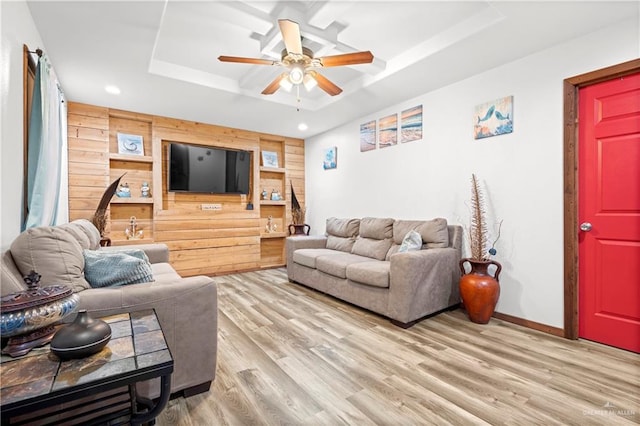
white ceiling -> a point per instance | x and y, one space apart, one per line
163 54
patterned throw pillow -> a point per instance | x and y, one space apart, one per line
116 268
412 241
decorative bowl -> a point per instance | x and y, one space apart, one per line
35 308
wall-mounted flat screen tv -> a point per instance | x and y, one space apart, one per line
209 170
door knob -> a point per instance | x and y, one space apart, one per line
585 226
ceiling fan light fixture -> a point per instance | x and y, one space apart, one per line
296 74
309 81
286 84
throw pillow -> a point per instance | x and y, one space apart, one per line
116 268
411 242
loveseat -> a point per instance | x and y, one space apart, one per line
361 262
186 307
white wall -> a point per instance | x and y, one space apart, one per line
521 173
18 29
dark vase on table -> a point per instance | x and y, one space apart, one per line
299 229
479 290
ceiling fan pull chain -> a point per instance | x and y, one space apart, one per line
298 96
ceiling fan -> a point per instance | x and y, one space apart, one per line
300 64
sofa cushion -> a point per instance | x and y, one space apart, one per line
341 233
336 264
116 268
346 228
434 232
54 253
340 243
376 228
370 247
375 274
164 273
85 232
307 257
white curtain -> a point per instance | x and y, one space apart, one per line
47 175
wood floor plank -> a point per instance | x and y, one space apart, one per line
291 355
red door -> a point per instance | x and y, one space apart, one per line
609 212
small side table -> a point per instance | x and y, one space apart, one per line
40 388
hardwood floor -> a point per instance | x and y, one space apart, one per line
291 355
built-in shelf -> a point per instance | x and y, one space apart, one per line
131 200
274 235
134 158
272 169
125 242
273 203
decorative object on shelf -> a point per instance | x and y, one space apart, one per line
130 144
83 337
388 130
275 195
99 218
298 227
145 190
27 316
270 159
368 136
479 290
265 194
493 118
271 227
330 158
411 124
132 232
124 191
249 206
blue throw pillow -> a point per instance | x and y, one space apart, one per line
412 241
116 268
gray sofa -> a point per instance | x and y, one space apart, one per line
359 261
186 307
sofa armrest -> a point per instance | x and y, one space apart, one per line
295 243
423 282
188 313
302 242
157 252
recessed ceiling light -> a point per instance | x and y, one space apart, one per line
302 126
114 90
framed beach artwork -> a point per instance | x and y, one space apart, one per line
270 159
130 144
493 118
368 136
388 127
411 124
330 158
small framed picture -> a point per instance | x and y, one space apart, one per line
269 159
330 158
130 144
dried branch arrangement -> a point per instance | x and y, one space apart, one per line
478 228
297 211
99 218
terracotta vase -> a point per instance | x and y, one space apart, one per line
295 229
479 290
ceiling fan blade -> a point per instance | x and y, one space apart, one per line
274 85
347 59
291 36
326 85
242 60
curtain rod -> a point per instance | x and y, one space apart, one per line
38 52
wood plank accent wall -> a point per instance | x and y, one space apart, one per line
200 241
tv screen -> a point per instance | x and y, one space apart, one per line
204 169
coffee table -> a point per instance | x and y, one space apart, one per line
39 387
